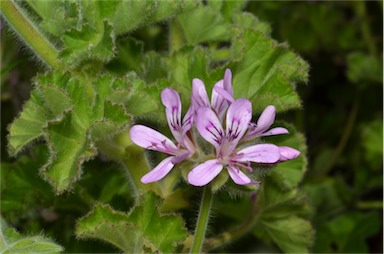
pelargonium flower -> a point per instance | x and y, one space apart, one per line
219 103
264 122
151 139
238 117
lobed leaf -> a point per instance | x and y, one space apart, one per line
34 115
12 242
265 71
141 229
283 212
203 24
71 116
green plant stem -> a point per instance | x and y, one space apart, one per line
132 159
202 221
370 205
346 134
361 12
135 166
30 34
235 233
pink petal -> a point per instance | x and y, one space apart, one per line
172 103
239 115
199 94
188 119
209 126
204 173
238 176
159 171
223 93
266 119
228 82
275 131
219 102
150 139
288 153
261 153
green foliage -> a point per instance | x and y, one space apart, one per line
372 136
75 116
283 207
20 176
13 242
142 229
266 71
347 233
115 58
283 219
364 68
88 29
203 24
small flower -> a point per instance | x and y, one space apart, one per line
219 101
238 116
264 122
150 139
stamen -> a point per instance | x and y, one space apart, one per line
241 165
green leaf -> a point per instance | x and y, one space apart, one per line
187 64
364 69
12 242
21 187
88 43
282 218
69 149
229 9
129 56
141 229
347 233
56 100
77 115
34 115
292 234
372 136
266 71
203 24
105 224
250 21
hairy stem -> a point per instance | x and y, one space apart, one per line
136 166
235 233
121 149
202 221
30 34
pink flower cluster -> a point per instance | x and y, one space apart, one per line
223 122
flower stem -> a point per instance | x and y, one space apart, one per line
202 221
235 233
29 33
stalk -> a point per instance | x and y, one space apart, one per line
202 221
30 33
235 233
